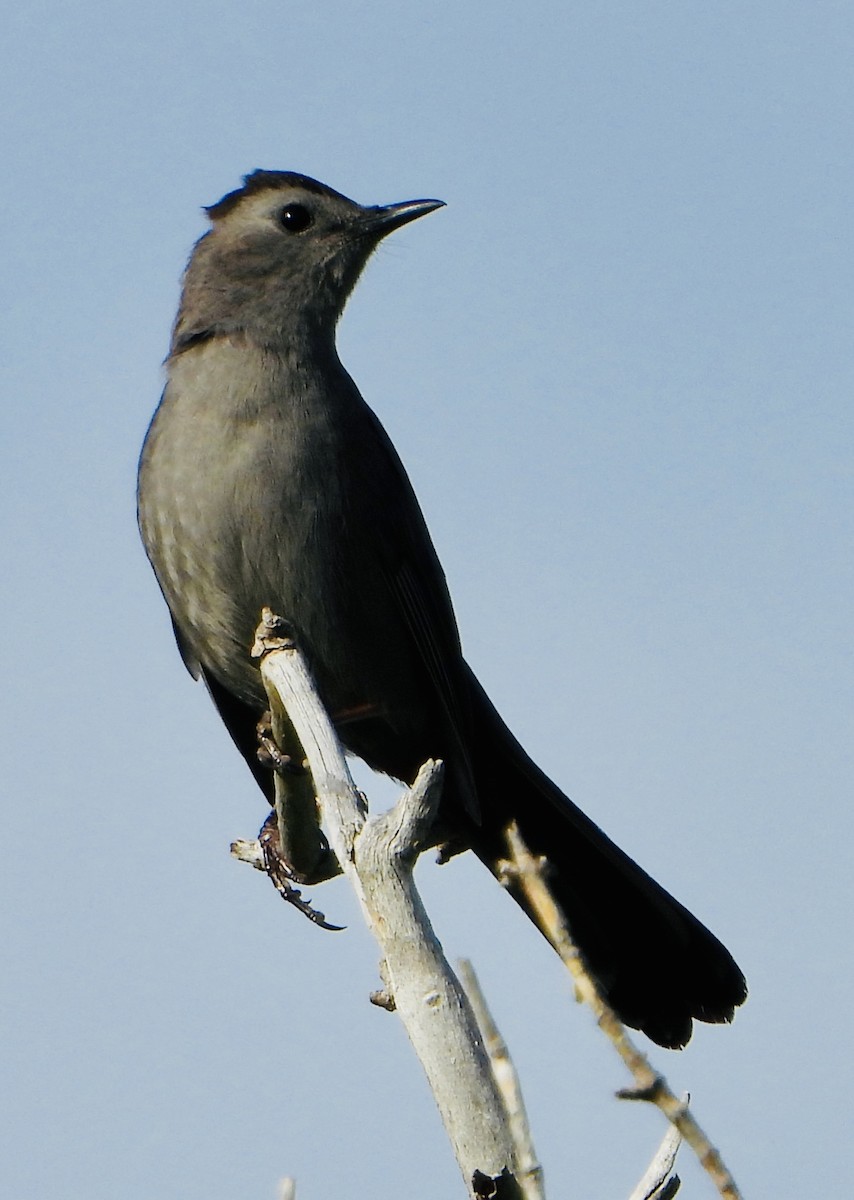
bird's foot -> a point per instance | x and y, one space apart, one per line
283 877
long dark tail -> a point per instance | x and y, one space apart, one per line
658 966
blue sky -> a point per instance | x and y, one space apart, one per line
618 368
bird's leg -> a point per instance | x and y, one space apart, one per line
269 754
301 848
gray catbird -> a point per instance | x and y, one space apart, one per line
265 479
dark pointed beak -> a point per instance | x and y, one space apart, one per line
386 218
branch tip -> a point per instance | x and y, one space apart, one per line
272 633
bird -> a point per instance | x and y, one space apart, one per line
266 480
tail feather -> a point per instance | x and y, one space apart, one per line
657 965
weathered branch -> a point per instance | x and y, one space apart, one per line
300 838
650 1085
475 1086
378 854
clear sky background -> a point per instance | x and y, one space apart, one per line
618 367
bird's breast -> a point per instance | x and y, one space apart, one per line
252 493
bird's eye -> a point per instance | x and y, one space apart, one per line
295 218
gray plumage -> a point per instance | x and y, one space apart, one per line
266 479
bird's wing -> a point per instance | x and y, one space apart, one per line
427 611
241 721
191 662
416 580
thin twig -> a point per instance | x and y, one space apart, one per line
650 1084
530 1173
659 1182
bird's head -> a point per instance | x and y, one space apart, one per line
283 253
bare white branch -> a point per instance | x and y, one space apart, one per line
378 854
249 852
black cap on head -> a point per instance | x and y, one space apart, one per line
262 181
